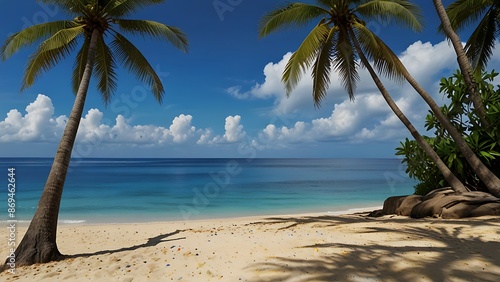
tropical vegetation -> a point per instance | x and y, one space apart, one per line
460 111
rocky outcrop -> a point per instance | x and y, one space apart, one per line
444 203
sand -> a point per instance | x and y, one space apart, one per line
315 247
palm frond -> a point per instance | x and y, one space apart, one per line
322 67
157 30
122 8
345 63
465 12
291 16
402 11
133 60
481 43
45 60
79 65
31 35
72 7
374 48
61 38
301 60
327 4
104 70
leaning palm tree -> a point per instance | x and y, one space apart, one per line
479 46
339 38
95 20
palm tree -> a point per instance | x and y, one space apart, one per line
337 40
341 29
479 45
490 180
94 21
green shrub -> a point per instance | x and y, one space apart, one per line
483 140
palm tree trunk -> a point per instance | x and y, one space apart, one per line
39 243
463 62
455 183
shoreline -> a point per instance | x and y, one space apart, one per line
298 247
351 211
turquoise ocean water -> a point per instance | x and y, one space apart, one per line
149 190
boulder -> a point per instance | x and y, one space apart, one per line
407 204
464 209
455 205
391 204
376 213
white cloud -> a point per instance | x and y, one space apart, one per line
181 128
38 124
233 133
234 130
368 117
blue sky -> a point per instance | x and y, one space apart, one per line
223 99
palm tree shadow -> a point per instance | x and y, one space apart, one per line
442 249
154 241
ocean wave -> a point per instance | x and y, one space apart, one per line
62 221
72 221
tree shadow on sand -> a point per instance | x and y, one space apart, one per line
150 243
390 260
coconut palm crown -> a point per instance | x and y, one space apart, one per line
59 38
330 44
480 45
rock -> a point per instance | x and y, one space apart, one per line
376 213
464 209
407 205
444 203
391 204
441 192
455 205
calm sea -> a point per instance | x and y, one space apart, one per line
148 190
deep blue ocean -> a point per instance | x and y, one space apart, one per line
150 190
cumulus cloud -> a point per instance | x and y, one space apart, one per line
368 117
234 130
181 128
233 133
38 124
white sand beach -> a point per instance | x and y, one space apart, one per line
314 247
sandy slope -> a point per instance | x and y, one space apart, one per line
319 247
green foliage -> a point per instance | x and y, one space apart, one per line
485 142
